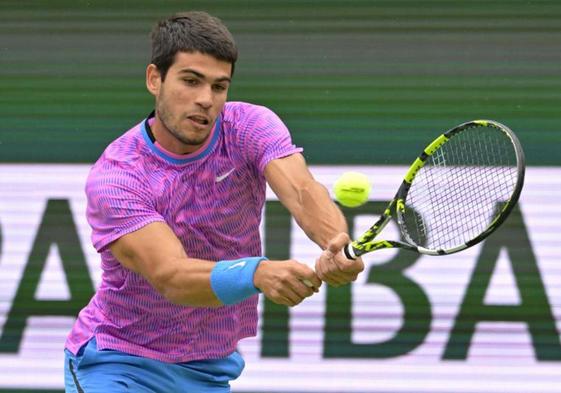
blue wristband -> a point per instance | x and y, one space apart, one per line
232 281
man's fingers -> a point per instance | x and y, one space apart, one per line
307 276
333 267
335 281
303 290
312 285
347 265
328 270
296 292
338 242
285 301
312 281
294 297
332 277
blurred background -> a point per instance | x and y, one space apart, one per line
375 77
359 83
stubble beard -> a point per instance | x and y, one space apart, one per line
173 127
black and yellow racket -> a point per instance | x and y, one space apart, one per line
457 192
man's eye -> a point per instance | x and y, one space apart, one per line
191 82
219 88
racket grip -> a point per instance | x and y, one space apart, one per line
308 283
349 252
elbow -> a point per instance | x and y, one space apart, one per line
163 283
171 295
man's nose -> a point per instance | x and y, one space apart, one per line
204 98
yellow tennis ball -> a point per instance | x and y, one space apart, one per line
352 189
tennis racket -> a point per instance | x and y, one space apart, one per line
456 193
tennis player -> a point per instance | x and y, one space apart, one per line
175 206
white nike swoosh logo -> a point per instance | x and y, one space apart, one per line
239 264
225 175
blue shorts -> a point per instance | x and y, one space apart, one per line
93 371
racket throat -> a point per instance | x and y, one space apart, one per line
365 244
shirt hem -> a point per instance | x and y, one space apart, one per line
108 343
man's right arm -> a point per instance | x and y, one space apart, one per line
157 254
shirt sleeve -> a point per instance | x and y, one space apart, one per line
119 202
265 137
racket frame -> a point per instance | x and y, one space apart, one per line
366 242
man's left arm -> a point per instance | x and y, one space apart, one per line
310 204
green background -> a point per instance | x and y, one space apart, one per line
357 82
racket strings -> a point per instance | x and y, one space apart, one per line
461 188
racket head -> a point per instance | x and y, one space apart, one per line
461 188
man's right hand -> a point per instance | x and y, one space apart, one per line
286 282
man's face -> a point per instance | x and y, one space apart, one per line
190 98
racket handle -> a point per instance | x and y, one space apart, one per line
308 283
349 252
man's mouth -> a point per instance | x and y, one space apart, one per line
199 119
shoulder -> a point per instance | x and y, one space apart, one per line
243 115
121 163
257 132
127 148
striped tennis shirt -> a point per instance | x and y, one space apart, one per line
212 199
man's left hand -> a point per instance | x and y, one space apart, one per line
333 267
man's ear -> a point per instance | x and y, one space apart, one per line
153 79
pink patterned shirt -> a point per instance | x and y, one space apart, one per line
212 199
